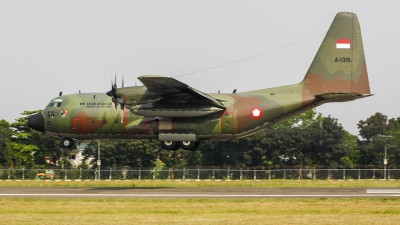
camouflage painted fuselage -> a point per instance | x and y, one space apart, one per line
84 116
168 110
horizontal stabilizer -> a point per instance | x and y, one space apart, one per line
341 96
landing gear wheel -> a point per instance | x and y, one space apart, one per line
67 142
170 145
189 145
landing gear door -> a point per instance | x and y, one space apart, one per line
171 129
165 125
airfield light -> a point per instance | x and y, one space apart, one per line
98 159
385 158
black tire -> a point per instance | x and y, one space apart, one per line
67 142
189 145
196 145
170 145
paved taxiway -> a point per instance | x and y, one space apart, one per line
68 192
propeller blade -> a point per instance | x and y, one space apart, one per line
113 94
115 101
115 81
122 114
112 108
114 104
122 81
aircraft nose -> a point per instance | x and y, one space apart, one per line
36 122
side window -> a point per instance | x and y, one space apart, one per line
48 114
52 114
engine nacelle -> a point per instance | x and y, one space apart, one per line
136 95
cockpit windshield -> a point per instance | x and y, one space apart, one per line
57 102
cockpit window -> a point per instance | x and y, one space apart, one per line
55 103
47 113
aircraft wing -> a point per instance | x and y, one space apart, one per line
171 86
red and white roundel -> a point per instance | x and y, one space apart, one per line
256 113
63 113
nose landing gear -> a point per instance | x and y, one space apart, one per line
67 142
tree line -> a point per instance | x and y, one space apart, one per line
307 140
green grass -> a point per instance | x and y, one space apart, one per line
199 211
203 183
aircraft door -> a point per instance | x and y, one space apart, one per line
79 126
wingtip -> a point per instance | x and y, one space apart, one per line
150 76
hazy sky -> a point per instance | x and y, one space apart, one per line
52 46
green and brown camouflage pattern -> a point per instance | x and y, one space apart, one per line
335 75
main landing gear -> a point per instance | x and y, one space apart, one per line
175 145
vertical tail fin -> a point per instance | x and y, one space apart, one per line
339 66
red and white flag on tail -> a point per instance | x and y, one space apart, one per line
343 43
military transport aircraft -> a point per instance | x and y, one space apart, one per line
179 116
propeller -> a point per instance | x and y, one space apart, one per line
122 105
113 95
114 98
113 92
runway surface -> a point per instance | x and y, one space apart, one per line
198 192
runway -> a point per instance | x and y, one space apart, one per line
68 192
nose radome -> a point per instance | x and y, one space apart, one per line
36 122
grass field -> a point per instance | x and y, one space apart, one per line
199 211
204 183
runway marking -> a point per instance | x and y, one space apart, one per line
197 195
383 191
